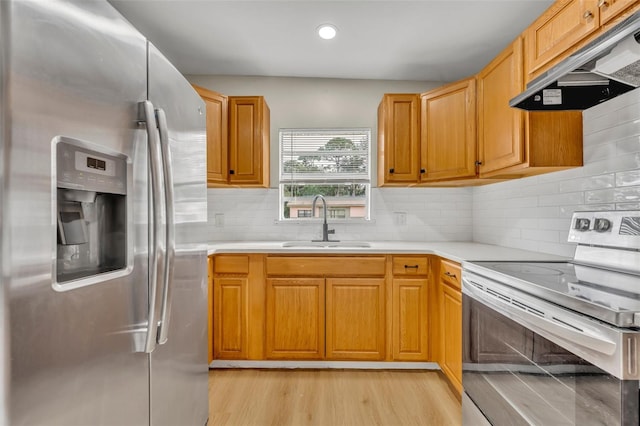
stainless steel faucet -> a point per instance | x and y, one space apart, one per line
325 228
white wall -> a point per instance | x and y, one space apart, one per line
534 213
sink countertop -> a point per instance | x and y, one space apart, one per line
456 251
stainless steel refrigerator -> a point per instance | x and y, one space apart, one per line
102 219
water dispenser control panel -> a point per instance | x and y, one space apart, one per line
81 168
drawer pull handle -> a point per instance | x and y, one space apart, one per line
450 275
411 266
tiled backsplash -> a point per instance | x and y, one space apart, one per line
534 213
531 213
432 214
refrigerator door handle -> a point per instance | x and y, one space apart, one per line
157 248
165 315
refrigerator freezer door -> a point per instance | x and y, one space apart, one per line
76 70
179 379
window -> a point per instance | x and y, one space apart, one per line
329 162
337 213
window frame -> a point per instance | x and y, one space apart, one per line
326 179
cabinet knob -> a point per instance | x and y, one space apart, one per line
231 172
588 14
391 170
603 3
423 171
478 163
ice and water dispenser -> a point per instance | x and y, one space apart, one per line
91 212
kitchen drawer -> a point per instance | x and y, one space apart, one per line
410 265
450 273
330 266
231 264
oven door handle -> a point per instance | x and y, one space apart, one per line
585 337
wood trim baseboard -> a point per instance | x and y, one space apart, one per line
354 365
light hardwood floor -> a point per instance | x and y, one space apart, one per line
331 397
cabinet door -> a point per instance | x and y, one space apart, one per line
561 27
248 140
217 156
448 132
210 307
410 319
500 127
355 318
452 335
295 311
398 138
230 317
609 9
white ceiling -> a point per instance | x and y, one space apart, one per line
390 40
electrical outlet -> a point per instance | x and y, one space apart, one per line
400 218
219 220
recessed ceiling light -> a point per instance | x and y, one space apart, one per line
327 31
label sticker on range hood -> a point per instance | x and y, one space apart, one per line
552 97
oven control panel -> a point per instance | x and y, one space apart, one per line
620 228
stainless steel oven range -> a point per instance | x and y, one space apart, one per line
557 343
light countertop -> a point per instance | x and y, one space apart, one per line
456 251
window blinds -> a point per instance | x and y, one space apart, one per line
321 155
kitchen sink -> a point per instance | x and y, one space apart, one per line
327 244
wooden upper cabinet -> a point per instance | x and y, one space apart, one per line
560 28
398 139
216 119
610 9
249 136
448 132
567 26
500 127
513 143
238 133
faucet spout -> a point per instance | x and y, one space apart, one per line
325 227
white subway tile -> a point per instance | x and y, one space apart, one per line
570 198
628 206
628 178
587 183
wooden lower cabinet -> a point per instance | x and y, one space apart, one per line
366 308
295 312
410 319
355 314
210 305
452 336
231 330
449 321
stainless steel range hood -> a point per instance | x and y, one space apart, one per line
605 68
